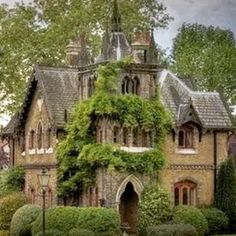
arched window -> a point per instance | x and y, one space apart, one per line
40 135
90 87
126 85
81 88
32 195
125 136
31 139
115 134
185 137
49 138
136 86
144 139
135 137
22 143
185 193
90 193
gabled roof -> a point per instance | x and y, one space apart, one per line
210 109
60 90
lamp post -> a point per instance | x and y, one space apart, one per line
43 178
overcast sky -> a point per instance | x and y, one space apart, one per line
209 12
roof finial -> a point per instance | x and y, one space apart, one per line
116 18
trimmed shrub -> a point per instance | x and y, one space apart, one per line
217 220
61 218
8 206
191 215
172 230
4 233
81 232
22 220
11 181
154 208
51 232
225 198
101 221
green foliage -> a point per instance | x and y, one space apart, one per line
8 206
101 221
207 56
172 230
51 232
4 233
62 219
22 220
81 232
225 198
218 222
78 155
12 180
154 208
34 34
193 216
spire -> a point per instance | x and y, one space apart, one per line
105 44
153 49
116 18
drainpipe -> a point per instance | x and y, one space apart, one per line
215 160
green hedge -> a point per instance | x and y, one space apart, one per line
172 230
4 233
101 221
193 216
81 232
62 219
218 222
8 206
22 220
52 232
154 208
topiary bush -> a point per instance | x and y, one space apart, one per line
154 208
191 215
81 232
22 220
61 218
172 230
8 206
217 220
101 221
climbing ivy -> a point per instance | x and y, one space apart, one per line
79 155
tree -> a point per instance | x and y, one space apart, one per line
207 56
39 32
225 198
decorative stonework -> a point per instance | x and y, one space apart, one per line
138 186
191 167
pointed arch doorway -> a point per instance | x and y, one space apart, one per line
128 198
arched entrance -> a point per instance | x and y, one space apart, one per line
128 208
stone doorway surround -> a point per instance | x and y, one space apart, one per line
127 199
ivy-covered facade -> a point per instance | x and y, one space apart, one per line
106 129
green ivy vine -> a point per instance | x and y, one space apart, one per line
79 155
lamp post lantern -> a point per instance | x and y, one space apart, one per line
43 178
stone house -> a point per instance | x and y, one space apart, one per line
194 149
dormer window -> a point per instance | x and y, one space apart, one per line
185 137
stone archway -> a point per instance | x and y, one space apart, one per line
127 199
128 208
